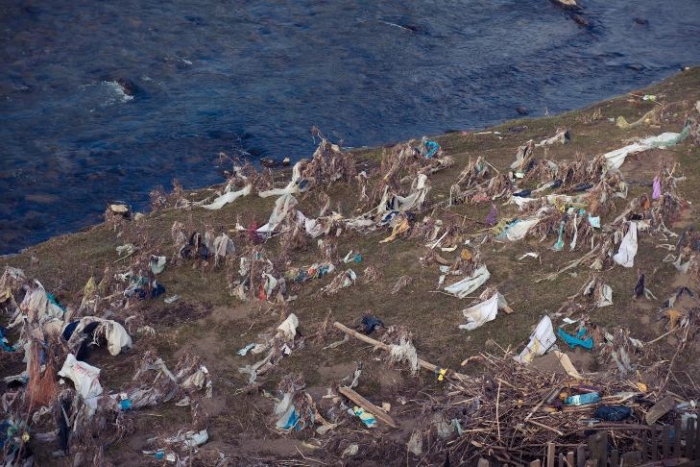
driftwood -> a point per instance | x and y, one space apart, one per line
422 363
368 406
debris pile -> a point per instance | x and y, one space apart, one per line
509 405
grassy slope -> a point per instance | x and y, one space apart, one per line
208 321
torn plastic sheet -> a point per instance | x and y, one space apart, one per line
282 206
312 227
39 305
561 136
270 284
223 246
518 229
126 249
604 297
352 257
296 185
401 226
469 284
85 377
559 244
198 380
228 197
483 312
405 351
415 443
522 202
617 157
628 247
116 336
244 351
681 267
428 148
341 281
540 341
366 417
287 414
419 190
157 264
288 329
189 439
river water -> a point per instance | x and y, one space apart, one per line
203 76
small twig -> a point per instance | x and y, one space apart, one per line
309 458
554 430
663 335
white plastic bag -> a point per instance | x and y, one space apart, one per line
469 284
85 377
628 248
540 341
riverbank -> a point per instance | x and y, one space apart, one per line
222 302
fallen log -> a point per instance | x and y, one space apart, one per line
422 363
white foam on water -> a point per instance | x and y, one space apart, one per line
118 91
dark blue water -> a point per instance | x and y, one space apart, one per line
214 75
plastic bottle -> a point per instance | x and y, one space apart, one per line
583 399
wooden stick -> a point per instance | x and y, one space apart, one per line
663 335
537 407
368 406
498 403
550 454
423 364
554 430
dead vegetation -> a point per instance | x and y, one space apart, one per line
400 234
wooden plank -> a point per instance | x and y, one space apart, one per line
483 463
677 439
697 441
570 459
581 456
615 458
646 448
368 406
631 458
603 448
654 444
594 444
660 409
422 363
550 455
689 450
666 442
536 463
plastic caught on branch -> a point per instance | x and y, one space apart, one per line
404 351
485 311
540 341
228 197
616 158
628 247
85 377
